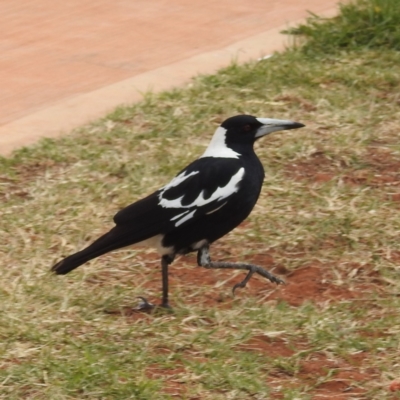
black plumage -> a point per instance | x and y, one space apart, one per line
205 201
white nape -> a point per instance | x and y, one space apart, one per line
218 148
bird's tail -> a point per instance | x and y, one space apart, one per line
112 240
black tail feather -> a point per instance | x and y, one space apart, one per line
69 263
112 240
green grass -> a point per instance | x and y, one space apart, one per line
360 24
329 204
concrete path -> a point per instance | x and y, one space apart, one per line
63 64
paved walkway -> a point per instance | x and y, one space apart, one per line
65 63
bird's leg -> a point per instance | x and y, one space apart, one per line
145 304
204 260
165 261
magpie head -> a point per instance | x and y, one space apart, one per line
247 129
238 133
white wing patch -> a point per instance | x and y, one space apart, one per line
178 180
185 218
219 194
179 215
218 148
213 211
176 203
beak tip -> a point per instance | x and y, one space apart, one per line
295 125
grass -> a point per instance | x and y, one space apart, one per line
327 219
359 24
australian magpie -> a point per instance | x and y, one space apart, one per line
205 201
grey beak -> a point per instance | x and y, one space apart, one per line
270 125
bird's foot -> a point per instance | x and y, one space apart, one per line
145 306
204 260
259 270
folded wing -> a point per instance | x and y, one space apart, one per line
203 187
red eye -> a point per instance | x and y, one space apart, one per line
247 128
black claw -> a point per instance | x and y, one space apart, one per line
272 278
144 305
244 281
269 276
278 281
238 285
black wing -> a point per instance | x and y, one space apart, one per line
204 186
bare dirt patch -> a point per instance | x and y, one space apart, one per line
10 187
336 379
29 171
318 167
171 378
380 168
330 378
317 283
270 346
